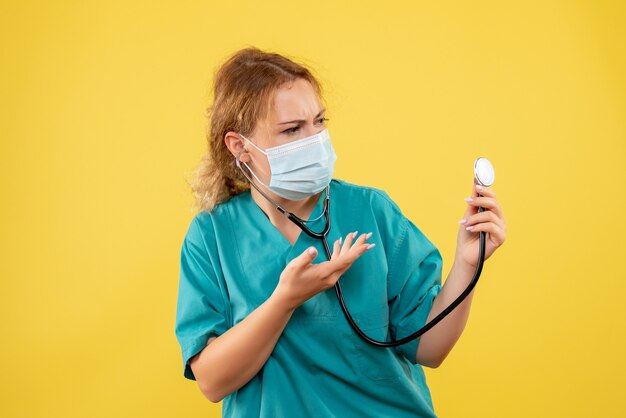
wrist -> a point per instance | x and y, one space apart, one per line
459 266
281 303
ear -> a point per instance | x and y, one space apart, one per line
235 145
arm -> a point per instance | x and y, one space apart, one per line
229 361
436 343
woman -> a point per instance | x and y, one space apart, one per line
257 319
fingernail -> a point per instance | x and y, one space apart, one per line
479 187
312 251
371 246
468 199
462 221
354 234
469 228
339 240
369 234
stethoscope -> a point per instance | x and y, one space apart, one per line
484 174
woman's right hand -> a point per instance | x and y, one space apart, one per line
301 280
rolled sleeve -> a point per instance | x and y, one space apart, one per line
414 282
200 311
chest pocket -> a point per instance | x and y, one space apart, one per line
323 307
376 363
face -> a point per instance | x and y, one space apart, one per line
296 113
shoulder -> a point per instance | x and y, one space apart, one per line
395 228
376 198
202 226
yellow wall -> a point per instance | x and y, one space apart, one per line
102 119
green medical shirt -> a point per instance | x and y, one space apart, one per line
231 261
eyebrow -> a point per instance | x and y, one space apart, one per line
302 120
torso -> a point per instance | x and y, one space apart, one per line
320 366
289 230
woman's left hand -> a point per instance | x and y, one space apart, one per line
491 220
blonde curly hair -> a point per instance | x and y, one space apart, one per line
243 91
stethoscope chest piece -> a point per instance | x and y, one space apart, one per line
484 172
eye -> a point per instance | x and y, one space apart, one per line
291 131
321 121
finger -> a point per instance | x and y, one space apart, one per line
355 252
485 202
305 258
341 264
360 245
496 234
486 216
348 242
336 249
362 239
470 210
483 191
474 192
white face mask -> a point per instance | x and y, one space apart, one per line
300 168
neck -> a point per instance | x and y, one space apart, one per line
301 208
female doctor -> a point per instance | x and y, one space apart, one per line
257 319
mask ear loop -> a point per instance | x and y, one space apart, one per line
278 207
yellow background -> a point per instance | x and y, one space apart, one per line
102 120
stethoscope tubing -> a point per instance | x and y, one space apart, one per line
322 237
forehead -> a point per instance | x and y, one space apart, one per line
294 100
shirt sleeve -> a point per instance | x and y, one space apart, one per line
414 282
200 311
